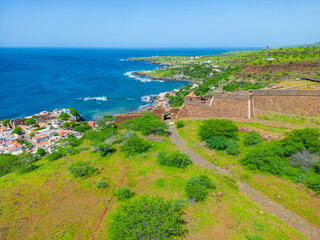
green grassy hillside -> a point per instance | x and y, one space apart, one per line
49 202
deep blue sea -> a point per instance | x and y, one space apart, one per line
37 79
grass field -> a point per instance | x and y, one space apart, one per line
49 203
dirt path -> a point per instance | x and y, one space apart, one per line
107 207
269 206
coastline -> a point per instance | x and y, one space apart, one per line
164 78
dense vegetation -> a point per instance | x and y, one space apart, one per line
174 159
198 188
147 217
146 124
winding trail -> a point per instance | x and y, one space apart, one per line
289 218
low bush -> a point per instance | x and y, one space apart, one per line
198 187
124 193
252 138
55 155
41 152
64 116
180 124
5 122
217 142
316 168
147 218
147 124
174 159
265 159
81 169
103 148
304 159
8 163
313 182
101 184
17 130
218 127
232 148
134 145
300 139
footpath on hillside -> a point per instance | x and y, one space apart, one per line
271 207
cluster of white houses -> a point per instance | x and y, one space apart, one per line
46 134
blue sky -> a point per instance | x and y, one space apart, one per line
150 23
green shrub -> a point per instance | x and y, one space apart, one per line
64 116
198 187
174 159
314 182
232 148
81 169
217 127
299 139
103 148
147 218
124 193
180 124
55 155
8 163
30 121
107 118
17 130
252 138
134 145
217 142
41 152
66 125
265 159
79 129
101 184
5 122
316 168
147 124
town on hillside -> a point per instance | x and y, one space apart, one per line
43 130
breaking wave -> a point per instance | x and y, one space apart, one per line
103 98
148 98
131 74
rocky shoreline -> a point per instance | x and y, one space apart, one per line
163 78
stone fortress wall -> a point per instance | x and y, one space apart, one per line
248 104
239 105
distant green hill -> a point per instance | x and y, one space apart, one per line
316 44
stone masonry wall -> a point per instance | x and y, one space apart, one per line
119 118
219 107
305 102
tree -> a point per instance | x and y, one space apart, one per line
17 130
108 118
30 121
66 125
8 163
5 122
41 152
64 116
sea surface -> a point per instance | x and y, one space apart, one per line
37 79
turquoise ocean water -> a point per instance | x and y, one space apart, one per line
37 79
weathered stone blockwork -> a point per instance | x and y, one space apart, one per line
305 102
218 105
119 118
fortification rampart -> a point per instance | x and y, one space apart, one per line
304 102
